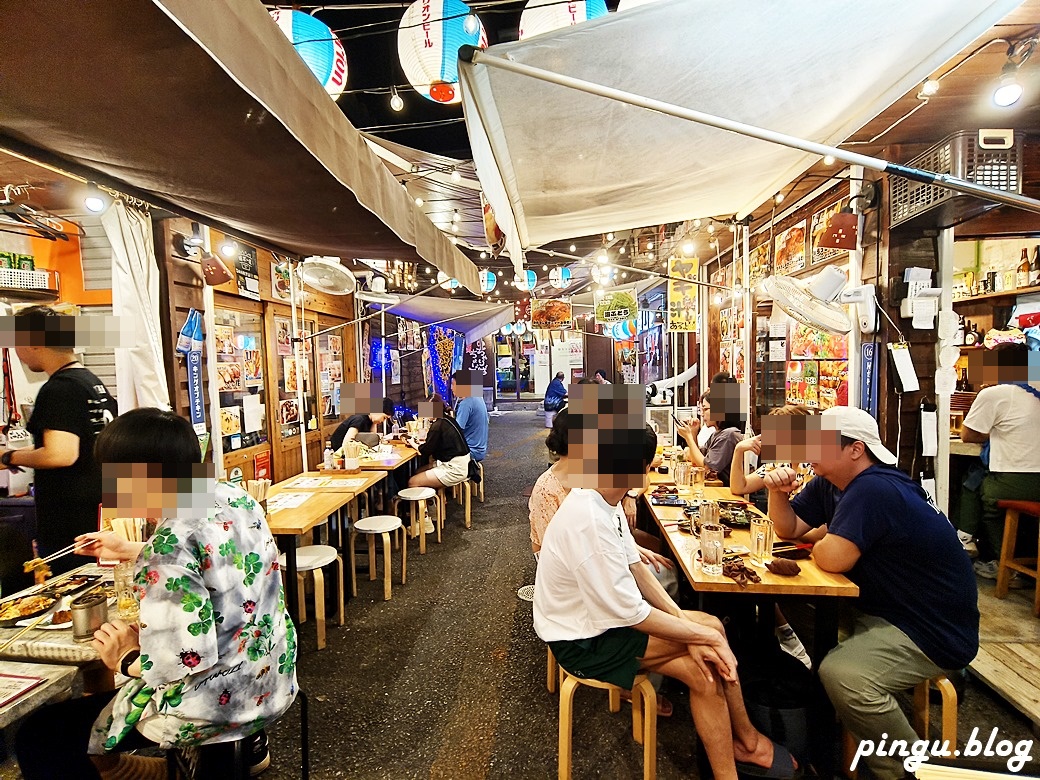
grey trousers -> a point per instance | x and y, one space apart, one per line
861 676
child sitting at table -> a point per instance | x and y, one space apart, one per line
214 658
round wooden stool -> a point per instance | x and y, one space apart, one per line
313 558
417 497
382 525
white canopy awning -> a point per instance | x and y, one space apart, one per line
474 319
557 163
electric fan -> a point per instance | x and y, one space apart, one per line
819 304
327 275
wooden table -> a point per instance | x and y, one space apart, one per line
57 686
400 457
297 521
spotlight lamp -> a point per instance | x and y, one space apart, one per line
1009 90
196 235
228 247
95 201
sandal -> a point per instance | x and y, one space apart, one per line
782 768
664 706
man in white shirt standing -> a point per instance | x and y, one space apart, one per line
1004 418
603 613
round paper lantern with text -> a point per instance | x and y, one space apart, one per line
319 47
488 280
428 42
560 277
542 16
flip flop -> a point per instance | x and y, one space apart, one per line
783 767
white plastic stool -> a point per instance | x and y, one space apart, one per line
383 525
312 559
417 497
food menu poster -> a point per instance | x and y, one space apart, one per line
814 383
789 250
810 344
240 379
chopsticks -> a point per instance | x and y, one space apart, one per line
130 528
29 627
60 554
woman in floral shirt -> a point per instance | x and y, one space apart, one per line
214 659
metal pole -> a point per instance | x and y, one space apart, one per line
296 341
382 346
480 57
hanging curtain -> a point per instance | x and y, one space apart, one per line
140 372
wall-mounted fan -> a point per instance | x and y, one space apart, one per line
820 303
327 275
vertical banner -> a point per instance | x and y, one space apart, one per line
196 406
868 378
682 295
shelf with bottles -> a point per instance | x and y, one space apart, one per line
984 297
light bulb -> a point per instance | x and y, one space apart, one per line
396 101
429 270
622 249
603 259
610 236
828 159
483 255
454 228
573 248
1008 91
732 228
778 198
649 244
455 216
711 227
687 248
624 274
498 292
696 223
718 298
499 273
552 253
471 25
95 200
545 268
228 248
930 87
419 201
650 255
455 177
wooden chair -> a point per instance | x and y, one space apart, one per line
312 559
382 525
419 509
1008 562
644 718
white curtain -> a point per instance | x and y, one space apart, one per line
140 372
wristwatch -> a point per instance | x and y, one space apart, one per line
127 661
6 458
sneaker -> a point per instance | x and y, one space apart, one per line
968 543
428 526
259 755
986 569
792 645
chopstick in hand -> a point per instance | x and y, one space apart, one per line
60 554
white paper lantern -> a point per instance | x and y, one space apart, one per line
624 5
428 42
542 16
506 329
488 281
520 328
527 281
560 277
319 47
446 282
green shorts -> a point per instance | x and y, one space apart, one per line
612 657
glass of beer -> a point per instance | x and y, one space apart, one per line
761 541
127 606
697 475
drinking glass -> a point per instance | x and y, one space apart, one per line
697 475
682 477
761 541
127 606
712 547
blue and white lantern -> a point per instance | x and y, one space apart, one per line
319 47
488 280
520 328
527 280
542 16
560 277
506 329
428 42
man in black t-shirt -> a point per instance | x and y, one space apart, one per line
918 610
71 409
362 422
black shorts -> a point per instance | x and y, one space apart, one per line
612 657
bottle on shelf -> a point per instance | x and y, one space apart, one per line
327 456
958 336
970 334
1034 268
962 382
1022 279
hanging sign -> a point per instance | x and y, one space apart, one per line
616 305
506 329
522 310
496 239
488 280
623 331
560 277
196 406
520 328
551 314
682 294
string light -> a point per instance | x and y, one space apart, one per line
649 244
622 249
419 202
688 248
930 87
696 223
828 159
455 176
711 227
603 259
573 248
455 217
228 247
545 268
778 198
396 101
483 256
610 236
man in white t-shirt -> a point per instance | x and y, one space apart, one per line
602 612
1007 417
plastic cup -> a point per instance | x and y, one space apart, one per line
761 541
712 548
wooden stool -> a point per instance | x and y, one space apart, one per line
463 498
383 525
417 498
644 718
553 672
949 709
311 559
478 489
1008 561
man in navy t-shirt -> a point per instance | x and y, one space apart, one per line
918 605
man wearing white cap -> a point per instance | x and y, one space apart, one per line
918 605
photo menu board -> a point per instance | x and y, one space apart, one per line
240 378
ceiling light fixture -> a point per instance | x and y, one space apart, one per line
1009 90
396 101
228 248
930 87
95 200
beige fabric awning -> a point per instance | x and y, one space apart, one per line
206 106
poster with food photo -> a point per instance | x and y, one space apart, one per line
224 336
726 324
336 345
821 222
335 369
230 377
551 314
758 264
283 335
811 344
738 360
288 411
726 357
289 367
616 305
280 281
832 374
789 250
253 367
328 409
802 383
230 420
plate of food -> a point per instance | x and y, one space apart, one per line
60 619
73 584
25 607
